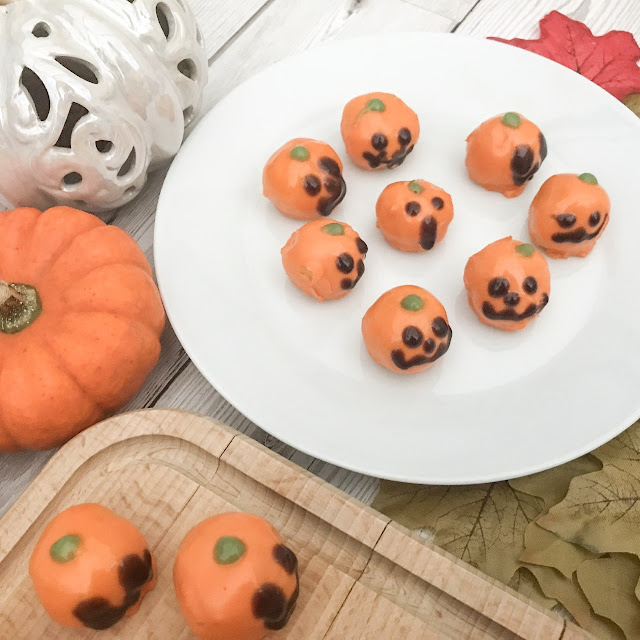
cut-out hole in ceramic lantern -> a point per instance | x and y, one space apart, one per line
106 109
33 85
128 165
41 30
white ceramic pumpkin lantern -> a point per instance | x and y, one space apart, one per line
93 95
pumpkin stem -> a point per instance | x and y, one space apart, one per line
20 305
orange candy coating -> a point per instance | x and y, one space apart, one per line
90 568
414 215
235 579
379 130
324 259
508 284
504 153
406 330
304 179
568 215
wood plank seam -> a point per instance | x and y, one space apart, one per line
357 581
455 28
239 32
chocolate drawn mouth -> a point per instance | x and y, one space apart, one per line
579 235
400 360
337 187
511 314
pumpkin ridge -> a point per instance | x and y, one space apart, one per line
27 233
44 342
154 335
64 247
144 264
6 433
148 325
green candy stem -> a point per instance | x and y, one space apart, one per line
300 153
415 186
65 549
375 104
334 229
512 120
412 303
229 550
525 250
589 178
20 305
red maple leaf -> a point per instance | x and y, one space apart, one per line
611 60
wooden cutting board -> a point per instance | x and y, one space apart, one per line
362 576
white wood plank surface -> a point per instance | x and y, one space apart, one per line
244 36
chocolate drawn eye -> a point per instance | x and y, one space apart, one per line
412 337
379 141
530 285
345 263
566 220
412 208
522 160
595 218
404 137
498 287
312 185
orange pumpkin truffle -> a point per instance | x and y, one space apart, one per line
379 130
235 578
304 179
324 259
568 215
91 568
406 330
414 216
504 153
508 284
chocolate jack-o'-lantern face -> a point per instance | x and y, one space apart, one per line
304 179
504 153
406 330
235 578
508 284
325 259
379 131
569 214
414 216
91 568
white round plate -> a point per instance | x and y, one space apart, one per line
498 405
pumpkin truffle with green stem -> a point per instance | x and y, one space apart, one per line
235 578
407 330
504 153
379 131
325 259
569 215
508 284
91 568
414 216
304 179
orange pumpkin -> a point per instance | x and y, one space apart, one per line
504 153
508 284
379 130
569 214
235 579
80 322
91 568
414 216
406 330
324 259
304 179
